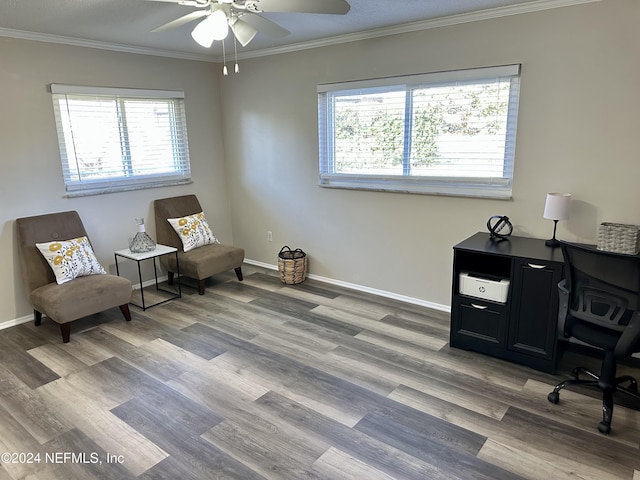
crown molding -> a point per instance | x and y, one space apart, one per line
116 47
487 14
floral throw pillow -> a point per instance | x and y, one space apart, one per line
70 259
193 230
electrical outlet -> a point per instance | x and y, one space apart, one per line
270 236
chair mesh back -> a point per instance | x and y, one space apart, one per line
604 286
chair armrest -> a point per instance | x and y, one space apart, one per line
563 308
629 338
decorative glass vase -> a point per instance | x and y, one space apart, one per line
142 242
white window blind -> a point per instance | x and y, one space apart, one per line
114 139
447 133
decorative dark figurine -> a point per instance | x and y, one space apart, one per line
497 224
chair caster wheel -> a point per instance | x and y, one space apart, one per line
604 428
553 397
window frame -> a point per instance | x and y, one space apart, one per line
489 187
76 186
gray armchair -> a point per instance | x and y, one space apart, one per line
74 299
201 262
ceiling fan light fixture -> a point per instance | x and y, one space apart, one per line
203 34
214 27
223 15
219 25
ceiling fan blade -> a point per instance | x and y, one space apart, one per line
336 7
265 26
243 32
189 17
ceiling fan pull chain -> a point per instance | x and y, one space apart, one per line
235 51
224 60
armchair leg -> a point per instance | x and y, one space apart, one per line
169 278
65 330
126 312
238 271
37 318
201 286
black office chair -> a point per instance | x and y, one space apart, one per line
599 305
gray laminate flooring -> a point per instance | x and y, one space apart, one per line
260 380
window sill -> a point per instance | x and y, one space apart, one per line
499 189
121 188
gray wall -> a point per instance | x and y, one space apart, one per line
31 181
253 144
577 132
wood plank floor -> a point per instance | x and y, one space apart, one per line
259 380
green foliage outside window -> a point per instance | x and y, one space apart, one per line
370 131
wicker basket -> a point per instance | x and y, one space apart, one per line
619 238
292 265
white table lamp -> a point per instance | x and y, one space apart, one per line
556 208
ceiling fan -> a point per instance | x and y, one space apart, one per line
243 17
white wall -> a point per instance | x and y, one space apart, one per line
31 181
577 132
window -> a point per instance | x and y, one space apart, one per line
114 139
449 133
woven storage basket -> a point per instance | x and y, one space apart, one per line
292 265
619 238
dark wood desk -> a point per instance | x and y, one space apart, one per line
524 328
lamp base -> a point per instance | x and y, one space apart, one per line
552 242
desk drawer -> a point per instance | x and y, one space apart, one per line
479 322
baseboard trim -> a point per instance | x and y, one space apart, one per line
268 266
362 288
150 283
16 321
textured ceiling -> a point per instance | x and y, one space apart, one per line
129 23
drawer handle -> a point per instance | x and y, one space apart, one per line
479 307
533 265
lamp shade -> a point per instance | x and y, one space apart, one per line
557 206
